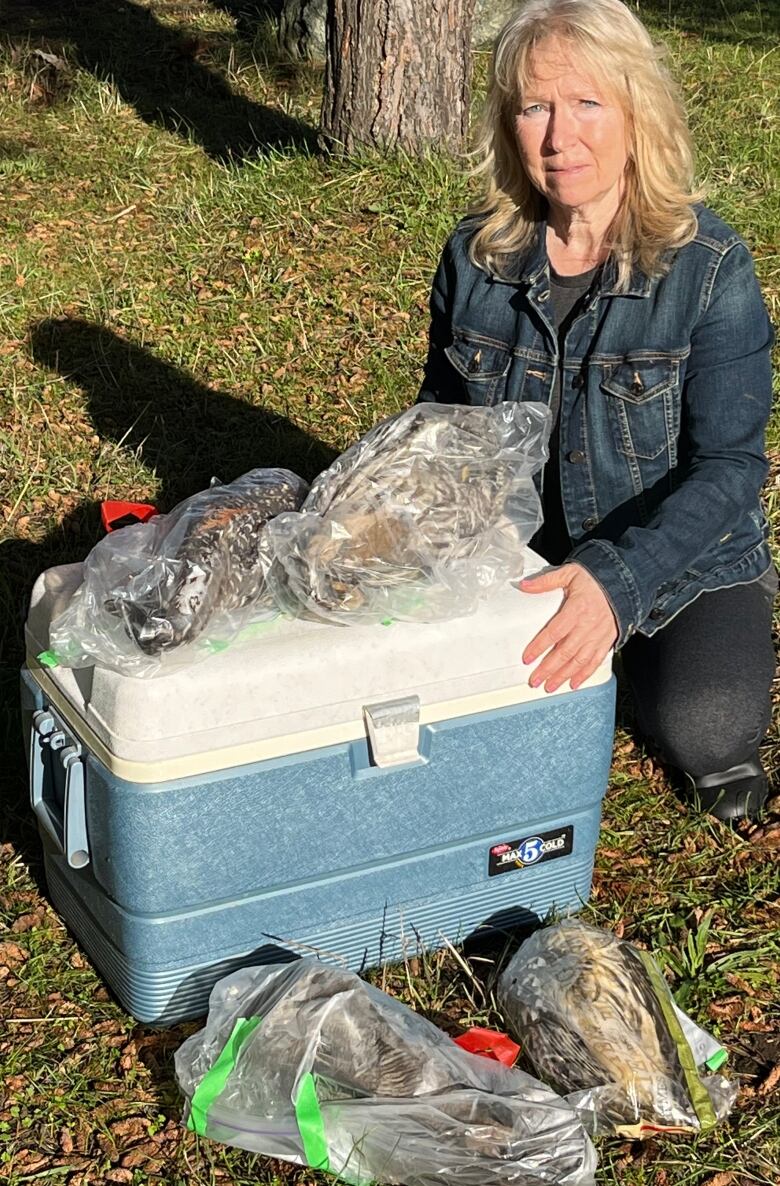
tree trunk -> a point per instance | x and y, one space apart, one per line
397 74
301 27
302 24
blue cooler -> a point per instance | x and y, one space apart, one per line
352 792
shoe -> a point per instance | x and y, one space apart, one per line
734 794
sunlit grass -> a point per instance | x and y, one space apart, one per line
158 296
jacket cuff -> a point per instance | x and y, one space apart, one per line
604 562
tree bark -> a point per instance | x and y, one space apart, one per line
397 74
301 24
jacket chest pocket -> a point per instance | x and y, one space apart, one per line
643 405
482 366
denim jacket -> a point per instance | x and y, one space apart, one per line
665 398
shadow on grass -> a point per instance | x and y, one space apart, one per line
289 27
185 431
252 17
749 22
156 68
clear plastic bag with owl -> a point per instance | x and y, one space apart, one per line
419 520
597 1021
308 1063
163 593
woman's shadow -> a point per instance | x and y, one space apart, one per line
185 431
164 72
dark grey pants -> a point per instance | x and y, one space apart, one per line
701 685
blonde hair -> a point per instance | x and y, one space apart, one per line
655 214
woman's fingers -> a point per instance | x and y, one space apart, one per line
542 582
573 619
556 629
568 660
565 653
576 639
576 669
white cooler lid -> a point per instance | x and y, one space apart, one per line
299 686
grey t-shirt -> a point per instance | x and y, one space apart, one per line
552 540
566 291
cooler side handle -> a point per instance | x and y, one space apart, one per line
43 727
76 842
70 836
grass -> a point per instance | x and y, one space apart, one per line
186 288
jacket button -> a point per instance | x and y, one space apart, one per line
576 456
578 381
589 524
656 615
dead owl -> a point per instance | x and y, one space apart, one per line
398 1100
208 561
419 498
594 1016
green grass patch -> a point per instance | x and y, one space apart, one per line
188 288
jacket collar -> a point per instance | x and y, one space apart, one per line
531 266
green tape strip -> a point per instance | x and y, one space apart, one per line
255 628
310 1126
213 1082
699 1096
716 1060
48 659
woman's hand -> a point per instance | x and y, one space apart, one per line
579 634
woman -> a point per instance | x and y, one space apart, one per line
591 279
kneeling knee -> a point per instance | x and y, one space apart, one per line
707 732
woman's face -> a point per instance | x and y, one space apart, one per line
571 133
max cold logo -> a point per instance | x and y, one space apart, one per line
530 850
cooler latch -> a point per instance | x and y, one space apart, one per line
393 730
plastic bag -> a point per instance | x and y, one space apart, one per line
185 582
309 1063
418 520
598 1023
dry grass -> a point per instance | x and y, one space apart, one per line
188 289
